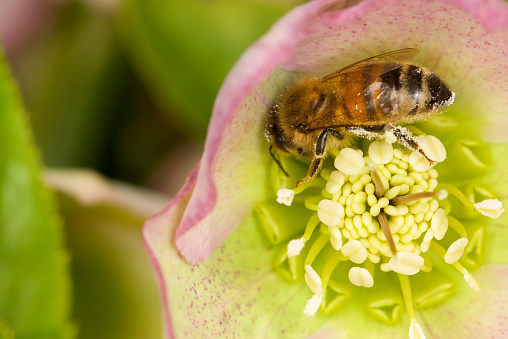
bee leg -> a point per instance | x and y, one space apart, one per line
369 132
317 161
406 138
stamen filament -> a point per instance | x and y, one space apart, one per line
316 247
441 252
405 286
457 226
456 193
311 226
316 182
330 265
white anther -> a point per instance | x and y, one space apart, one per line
442 194
425 245
330 212
312 305
439 224
313 280
355 251
419 163
471 281
335 238
432 147
380 152
349 161
491 208
295 246
285 196
360 277
415 331
455 251
335 183
406 263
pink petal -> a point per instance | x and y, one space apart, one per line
463 41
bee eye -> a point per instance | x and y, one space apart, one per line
302 127
300 150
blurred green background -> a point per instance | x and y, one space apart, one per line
123 89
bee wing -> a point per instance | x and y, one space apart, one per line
404 54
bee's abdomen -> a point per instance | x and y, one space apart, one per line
410 91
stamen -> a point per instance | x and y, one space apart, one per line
415 331
349 161
408 301
432 147
330 212
313 280
285 196
380 152
455 251
491 208
439 224
440 251
419 163
355 251
335 238
360 277
406 263
336 181
295 247
312 305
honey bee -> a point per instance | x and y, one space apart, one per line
364 99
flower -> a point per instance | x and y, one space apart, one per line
236 291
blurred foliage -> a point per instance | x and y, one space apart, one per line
115 294
184 49
34 282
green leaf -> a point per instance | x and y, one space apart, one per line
34 280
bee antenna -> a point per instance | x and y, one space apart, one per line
277 161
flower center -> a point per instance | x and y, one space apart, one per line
379 214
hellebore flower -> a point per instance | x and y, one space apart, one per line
239 285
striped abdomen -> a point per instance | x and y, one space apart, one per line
386 92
